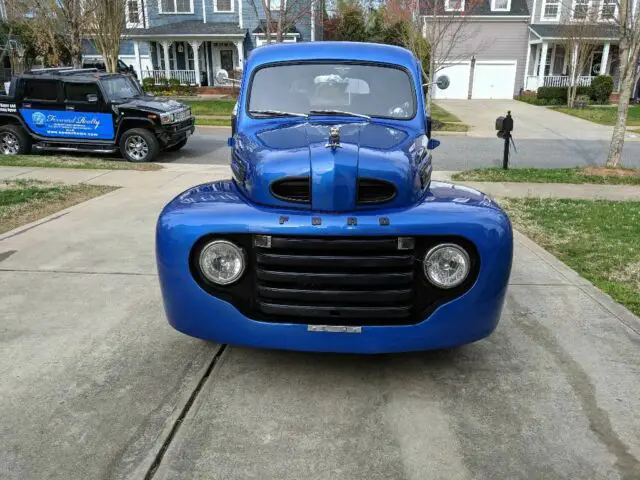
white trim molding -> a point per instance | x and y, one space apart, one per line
494 6
217 10
175 8
545 3
448 7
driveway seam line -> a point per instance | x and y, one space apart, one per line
76 272
185 410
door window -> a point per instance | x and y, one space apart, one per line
77 92
44 90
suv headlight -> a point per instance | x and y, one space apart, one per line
221 262
447 265
167 117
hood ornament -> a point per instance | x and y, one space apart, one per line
334 138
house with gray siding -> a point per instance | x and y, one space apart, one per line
192 40
511 46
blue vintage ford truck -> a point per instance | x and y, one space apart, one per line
331 235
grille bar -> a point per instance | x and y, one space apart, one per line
309 296
335 312
328 279
311 245
335 261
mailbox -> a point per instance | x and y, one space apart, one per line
504 125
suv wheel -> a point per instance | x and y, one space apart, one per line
14 140
177 146
139 145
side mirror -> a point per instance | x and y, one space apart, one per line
433 144
92 98
443 82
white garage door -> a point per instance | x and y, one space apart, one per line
459 77
494 79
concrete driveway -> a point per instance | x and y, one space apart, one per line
95 385
530 121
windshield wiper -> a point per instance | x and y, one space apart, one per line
278 113
338 112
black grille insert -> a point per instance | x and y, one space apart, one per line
371 191
292 189
335 280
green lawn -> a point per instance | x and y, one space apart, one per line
24 201
57 161
210 107
217 122
598 239
546 175
605 115
439 113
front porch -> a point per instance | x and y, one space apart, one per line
549 63
193 53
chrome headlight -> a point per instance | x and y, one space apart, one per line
167 117
221 262
447 265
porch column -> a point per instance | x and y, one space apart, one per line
605 59
542 63
240 55
158 58
136 51
195 45
167 66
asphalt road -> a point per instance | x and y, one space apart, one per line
209 146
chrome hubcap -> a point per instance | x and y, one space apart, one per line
137 147
9 144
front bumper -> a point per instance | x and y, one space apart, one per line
172 134
196 312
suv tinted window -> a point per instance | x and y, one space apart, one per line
41 90
77 92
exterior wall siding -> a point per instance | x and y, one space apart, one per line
496 40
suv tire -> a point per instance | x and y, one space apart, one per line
139 145
14 140
177 146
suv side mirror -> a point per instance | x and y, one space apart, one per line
92 98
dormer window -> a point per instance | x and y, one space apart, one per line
133 13
581 9
500 5
551 10
223 6
454 5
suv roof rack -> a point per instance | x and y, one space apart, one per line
61 71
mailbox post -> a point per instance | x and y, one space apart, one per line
504 125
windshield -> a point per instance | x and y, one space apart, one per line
119 88
373 90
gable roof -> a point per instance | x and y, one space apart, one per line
194 28
595 31
480 8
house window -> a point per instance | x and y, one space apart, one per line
133 14
176 6
581 9
608 9
500 5
274 5
551 10
454 5
223 6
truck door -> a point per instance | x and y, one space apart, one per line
87 114
40 101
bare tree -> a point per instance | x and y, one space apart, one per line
281 16
48 19
108 22
628 25
437 30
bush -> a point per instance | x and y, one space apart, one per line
582 101
173 82
147 83
601 89
558 95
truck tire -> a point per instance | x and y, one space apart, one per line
139 145
14 140
177 146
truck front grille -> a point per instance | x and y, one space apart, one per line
292 189
335 281
372 191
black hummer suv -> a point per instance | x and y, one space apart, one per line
85 110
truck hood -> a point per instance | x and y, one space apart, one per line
152 104
278 166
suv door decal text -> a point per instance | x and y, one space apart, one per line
69 124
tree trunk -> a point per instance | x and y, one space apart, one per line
430 79
620 128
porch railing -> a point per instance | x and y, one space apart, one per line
534 82
186 77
